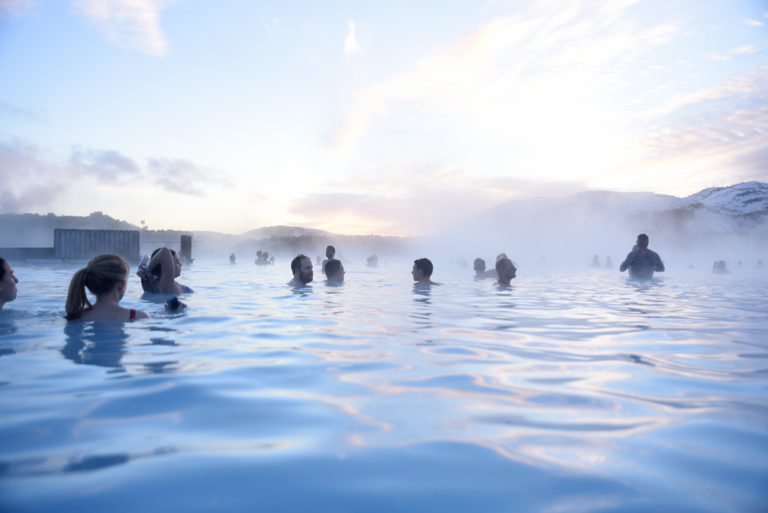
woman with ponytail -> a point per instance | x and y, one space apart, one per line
160 273
105 277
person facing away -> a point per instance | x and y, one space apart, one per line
480 272
334 271
422 272
7 283
641 261
232 258
106 277
505 269
330 253
160 273
301 267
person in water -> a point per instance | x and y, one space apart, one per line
330 253
334 271
480 272
106 277
422 272
505 269
160 273
7 283
301 267
641 261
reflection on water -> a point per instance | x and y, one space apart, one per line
560 392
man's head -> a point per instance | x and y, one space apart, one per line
422 269
7 283
642 241
505 269
330 251
479 265
301 267
334 271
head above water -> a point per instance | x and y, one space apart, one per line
424 265
330 251
642 241
101 276
158 269
301 267
505 269
479 265
7 283
334 270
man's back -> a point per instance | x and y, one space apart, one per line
642 263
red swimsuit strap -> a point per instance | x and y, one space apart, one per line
133 314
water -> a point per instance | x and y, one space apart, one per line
584 392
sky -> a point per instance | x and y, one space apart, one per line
361 117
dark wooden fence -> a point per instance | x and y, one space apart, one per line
86 244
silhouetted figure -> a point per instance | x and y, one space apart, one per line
505 269
596 262
608 263
259 258
334 271
480 272
422 272
372 261
301 267
7 283
268 259
719 267
232 258
641 261
330 253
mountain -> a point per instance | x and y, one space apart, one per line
748 199
719 219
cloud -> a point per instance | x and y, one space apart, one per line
13 8
10 110
108 166
133 24
351 46
753 23
34 179
415 200
179 175
29 181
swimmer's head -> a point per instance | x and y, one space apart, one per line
505 269
479 265
301 267
330 251
334 270
7 283
422 269
642 240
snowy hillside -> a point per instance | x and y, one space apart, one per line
745 199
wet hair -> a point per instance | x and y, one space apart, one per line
296 262
642 239
332 267
424 265
2 268
331 250
100 276
479 265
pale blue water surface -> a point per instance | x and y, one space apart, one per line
586 392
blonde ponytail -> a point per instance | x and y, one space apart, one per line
77 299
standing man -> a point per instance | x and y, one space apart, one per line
7 283
301 267
641 261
